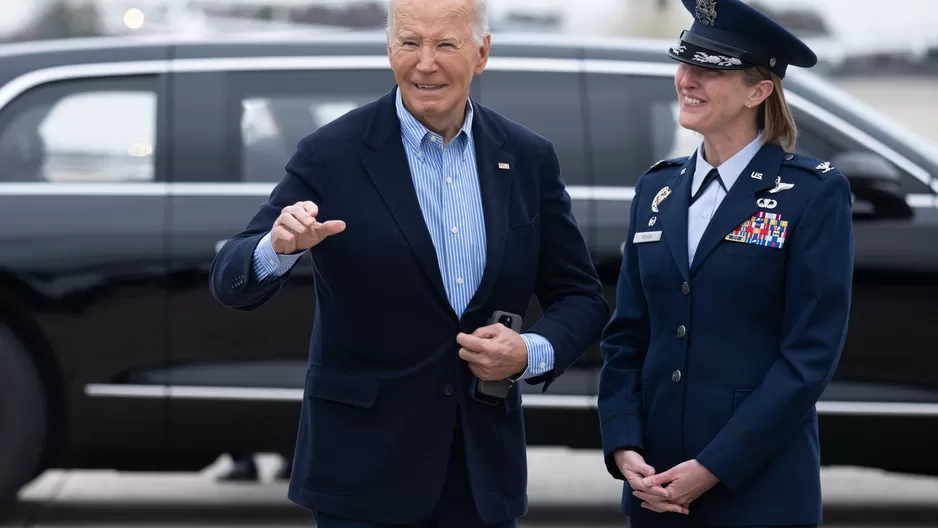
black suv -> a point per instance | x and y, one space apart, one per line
125 164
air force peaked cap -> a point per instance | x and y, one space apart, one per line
732 35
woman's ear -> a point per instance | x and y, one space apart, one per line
760 93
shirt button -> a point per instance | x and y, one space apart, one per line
448 389
459 280
542 364
676 376
685 288
681 331
454 230
449 181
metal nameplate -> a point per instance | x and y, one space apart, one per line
647 236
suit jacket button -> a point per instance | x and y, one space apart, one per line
681 332
448 389
685 288
676 376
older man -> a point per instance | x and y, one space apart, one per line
425 214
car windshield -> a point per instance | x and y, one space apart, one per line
835 96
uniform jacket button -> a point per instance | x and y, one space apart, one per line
681 332
676 376
448 389
685 288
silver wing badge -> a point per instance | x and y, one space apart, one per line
779 186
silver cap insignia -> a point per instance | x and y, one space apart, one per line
706 12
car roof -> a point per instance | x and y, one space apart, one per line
20 58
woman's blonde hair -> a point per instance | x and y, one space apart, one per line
774 115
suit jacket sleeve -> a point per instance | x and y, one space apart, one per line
624 345
567 287
817 301
233 281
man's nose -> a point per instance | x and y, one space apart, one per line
427 58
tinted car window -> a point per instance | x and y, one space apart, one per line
275 110
550 104
633 124
101 130
820 140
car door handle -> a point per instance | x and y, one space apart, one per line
220 244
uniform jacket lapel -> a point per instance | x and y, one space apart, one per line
389 170
495 185
673 215
740 203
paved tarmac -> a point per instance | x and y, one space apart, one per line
567 488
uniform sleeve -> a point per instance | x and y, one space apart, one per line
624 344
814 327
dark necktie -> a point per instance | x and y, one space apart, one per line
714 174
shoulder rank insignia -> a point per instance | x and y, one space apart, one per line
662 194
808 164
666 163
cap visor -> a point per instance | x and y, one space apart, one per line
704 57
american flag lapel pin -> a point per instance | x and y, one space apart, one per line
503 166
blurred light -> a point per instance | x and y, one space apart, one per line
133 18
140 150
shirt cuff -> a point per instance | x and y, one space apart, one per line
268 263
540 355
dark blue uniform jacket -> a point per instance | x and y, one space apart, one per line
724 359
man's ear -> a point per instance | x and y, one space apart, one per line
484 51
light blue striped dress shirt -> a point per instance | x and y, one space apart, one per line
447 184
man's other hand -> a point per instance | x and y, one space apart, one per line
494 352
296 229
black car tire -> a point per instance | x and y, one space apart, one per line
23 416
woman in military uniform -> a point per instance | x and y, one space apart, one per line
733 297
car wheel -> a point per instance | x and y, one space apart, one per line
23 416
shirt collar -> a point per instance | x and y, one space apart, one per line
730 169
415 134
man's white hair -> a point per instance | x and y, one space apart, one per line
480 19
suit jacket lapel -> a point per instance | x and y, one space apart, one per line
740 203
495 186
390 173
673 215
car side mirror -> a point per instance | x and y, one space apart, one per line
876 186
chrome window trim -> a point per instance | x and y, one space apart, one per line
20 85
537 401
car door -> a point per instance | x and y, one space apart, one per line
894 290
83 209
239 376
632 124
547 97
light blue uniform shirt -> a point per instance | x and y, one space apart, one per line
702 210
447 184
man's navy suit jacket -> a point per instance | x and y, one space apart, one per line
385 383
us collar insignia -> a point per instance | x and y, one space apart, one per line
706 12
662 194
